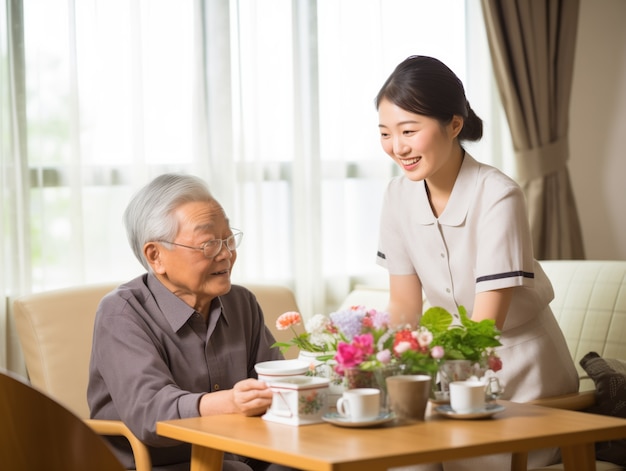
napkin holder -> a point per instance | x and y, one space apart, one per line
298 400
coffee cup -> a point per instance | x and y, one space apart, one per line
408 395
467 396
359 404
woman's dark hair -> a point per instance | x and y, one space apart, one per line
424 85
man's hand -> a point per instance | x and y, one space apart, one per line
252 397
249 397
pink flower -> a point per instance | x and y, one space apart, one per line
423 337
437 352
384 356
402 347
288 319
354 353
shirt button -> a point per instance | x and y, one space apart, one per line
216 387
443 255
447 290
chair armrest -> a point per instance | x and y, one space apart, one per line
575 401
143 461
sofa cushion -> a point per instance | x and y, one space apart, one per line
609 377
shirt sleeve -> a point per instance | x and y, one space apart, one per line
132 368
504 256
392 253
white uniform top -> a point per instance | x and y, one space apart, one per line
481 242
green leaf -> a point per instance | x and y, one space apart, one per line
470 340
436 319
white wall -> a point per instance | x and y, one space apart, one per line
598 128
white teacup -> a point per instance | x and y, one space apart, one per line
467 396
359 404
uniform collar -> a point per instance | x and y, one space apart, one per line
460 199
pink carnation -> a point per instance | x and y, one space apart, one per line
288 319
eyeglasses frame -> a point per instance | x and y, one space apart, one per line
223 243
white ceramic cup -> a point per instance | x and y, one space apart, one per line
467 396
359 404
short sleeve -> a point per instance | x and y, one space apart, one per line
392 253
504 255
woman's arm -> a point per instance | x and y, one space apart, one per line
405 299
493 305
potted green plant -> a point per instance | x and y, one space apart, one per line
469 340
469 346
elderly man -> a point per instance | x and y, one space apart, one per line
180 340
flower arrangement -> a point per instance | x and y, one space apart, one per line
362 338
324 333
411 350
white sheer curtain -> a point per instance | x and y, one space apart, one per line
273 107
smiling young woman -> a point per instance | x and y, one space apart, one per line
457 229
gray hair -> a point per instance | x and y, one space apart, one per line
150 214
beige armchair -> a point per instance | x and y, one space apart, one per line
55 331
590 306
275 300
37 432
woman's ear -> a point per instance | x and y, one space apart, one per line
152 252
455 126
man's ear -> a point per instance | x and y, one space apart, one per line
152 252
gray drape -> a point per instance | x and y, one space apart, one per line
532 45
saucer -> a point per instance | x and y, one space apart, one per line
337 419
487 411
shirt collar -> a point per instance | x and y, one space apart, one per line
460 198
176 311
462 193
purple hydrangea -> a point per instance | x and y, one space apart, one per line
348 322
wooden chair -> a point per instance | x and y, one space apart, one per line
55 330
37 432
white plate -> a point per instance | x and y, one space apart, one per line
337 419
488 411
276 369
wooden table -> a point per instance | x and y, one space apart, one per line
325 447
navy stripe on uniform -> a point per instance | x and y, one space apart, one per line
510 274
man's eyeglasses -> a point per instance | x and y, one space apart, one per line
213 247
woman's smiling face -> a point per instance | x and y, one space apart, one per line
420 145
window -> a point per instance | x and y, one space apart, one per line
273 107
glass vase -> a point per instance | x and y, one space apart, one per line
451 370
